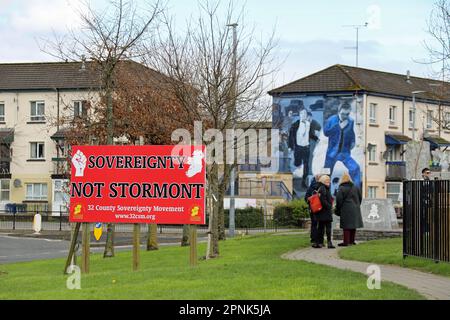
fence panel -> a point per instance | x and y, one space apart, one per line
247 221
426 219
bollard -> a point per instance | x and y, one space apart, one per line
37 223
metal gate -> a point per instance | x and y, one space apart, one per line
426 218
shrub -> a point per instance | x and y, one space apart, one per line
291 214
246 218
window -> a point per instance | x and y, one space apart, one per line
392 114
36 191
392 154
412 116
2 112
429 119
37 111
446 122
394 192
5 158
4 190
61 192
373 113
37 150
372 153
79 109
372 192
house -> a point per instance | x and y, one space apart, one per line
34 98
358 120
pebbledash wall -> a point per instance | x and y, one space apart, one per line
29 179
372 119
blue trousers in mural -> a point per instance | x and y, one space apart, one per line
352 166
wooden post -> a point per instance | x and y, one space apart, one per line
193 245
152 237
72 246
136 246
85 247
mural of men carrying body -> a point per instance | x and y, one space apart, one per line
339 129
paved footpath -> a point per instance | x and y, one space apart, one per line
431 286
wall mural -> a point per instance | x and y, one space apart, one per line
319 134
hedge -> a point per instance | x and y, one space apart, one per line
291 214
246 218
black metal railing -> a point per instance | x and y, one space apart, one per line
395 171
254 188
19 219
426 219
247 222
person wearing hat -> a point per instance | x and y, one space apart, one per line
341 140
295 107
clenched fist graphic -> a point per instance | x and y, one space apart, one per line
79 162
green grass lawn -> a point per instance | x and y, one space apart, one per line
390 251
249 268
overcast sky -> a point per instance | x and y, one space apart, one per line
311 33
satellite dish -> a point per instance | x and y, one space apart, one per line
385 155
17 183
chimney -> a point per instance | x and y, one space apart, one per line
408 76
83 63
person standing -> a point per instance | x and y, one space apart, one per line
426 205
426 174
324 217
348 207
314 186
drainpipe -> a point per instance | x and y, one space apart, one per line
57 108
366 126
403 126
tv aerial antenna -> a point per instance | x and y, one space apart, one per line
356 48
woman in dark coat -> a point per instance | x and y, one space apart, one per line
324 217
348 207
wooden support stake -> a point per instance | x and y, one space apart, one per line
85 247
193 245
136 246
72 246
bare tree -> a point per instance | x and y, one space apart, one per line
106 38
438 48
216 86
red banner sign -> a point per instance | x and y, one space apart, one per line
138 184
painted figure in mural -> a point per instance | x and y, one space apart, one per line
314 134
295 107
299 142
283 153
277 116
340 131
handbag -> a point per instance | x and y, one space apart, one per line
314 202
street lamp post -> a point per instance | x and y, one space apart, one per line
232 218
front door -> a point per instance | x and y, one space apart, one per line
60 200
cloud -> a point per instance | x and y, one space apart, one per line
44 15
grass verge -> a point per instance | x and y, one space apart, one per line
390 251
249 268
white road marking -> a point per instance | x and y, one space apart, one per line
31 238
